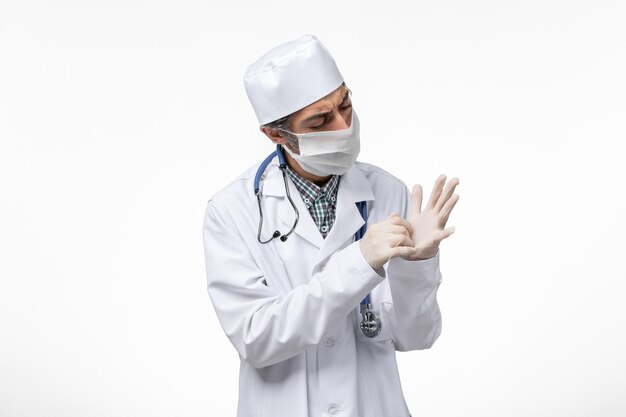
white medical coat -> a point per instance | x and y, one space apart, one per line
291 309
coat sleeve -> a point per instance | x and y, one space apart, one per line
264 327
413 316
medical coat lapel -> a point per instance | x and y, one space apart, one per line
353 187
306 228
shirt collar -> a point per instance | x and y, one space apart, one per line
313 191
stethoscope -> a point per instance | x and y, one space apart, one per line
370 323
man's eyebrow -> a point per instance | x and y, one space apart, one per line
325 113
315 116
345 97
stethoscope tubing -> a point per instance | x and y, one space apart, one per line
362 206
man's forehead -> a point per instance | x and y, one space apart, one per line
323 103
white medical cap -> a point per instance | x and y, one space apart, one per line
289 77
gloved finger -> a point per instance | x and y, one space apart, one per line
404 228
447 208
407 226
406 241
394 218
447 192
400 240
416 199
396 229
436 192
403 251
399 221
445 233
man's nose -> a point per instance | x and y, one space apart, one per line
340 121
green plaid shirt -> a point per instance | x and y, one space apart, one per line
321 201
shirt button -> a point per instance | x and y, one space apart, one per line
332 198
324 228
307 201
330 341
333 410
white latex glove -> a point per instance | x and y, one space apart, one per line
427 227
385 240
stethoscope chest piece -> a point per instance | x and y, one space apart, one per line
370 324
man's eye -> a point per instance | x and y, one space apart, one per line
326 120
345 107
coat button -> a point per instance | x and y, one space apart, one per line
330 341
333 410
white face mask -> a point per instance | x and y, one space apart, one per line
329 152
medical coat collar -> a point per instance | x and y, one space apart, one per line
353 187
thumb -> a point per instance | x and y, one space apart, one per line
447 232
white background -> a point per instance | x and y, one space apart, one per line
119 119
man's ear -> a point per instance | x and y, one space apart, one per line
274 134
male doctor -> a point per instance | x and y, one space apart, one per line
291 306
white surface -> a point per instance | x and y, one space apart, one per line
119 119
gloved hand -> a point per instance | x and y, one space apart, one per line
428 226
385 240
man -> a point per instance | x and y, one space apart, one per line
290 306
